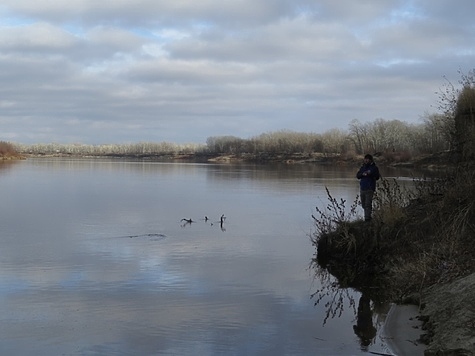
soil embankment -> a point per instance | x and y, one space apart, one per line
449 317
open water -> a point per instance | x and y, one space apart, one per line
95 259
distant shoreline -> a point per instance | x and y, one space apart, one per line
435 161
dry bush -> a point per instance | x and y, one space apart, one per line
390 200
408 276
7 149
390 214
334 214
439 231
458 219
335 217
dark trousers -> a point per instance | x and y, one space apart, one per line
367 203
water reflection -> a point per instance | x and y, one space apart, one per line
7 165
364 327
335 298
339 296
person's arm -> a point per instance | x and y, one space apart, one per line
359 174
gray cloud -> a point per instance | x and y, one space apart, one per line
183 71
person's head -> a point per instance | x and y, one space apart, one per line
368 158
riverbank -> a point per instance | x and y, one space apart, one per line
419 254
11 157
402 331
444 326
439 160
448 316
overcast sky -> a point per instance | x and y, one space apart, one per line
118 71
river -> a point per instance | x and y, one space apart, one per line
96 259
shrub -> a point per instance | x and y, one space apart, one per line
390 200
7 149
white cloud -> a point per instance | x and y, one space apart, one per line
37 36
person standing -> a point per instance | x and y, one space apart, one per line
368 174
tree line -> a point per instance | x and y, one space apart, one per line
431 136
129 149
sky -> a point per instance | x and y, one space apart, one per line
125 71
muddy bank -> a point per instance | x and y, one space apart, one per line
402 331
448 315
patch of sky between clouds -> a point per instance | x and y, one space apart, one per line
75 30
144 33
404 13
171 34
398 61
400 15
306 10
408 11
167 35
158 39
13 21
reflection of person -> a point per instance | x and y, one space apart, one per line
368 174
364 328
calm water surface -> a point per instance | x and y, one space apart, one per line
95 260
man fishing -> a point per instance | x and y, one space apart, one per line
368 174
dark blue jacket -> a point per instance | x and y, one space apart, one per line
368 180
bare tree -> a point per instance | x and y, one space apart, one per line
439 131
358 135
334 141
